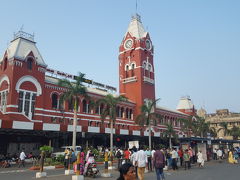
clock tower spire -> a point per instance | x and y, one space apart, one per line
136 69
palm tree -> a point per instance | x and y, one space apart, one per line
169 132
148 117
189 125
202 127
74 90
235 132
224 127
213 132
110 109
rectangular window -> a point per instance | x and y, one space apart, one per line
27 103
33 104
20 102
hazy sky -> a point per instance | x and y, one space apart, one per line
196 42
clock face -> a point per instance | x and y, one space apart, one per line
128 44
148 44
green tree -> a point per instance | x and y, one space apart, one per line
74 91
170 133
148 117
202 127
45 150
224 128
213 132
235 132
188 125
110 110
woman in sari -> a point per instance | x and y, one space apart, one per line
231 160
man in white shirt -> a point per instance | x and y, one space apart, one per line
174 159
22 159
219 154
141 161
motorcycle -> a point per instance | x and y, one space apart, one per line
92 170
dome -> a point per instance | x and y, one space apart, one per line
202 113
185 103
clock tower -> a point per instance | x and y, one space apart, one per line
136 69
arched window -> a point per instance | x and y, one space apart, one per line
127 113
61 104
149 70
26 103
122 111
70 105
97 110
126 71
118 111
29 63
84 103
3 100
101 108
130 114
54 101
132 71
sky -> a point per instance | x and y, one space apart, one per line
196 43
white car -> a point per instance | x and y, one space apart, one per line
77 150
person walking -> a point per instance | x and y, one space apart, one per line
186 159
119 158
159 163
149 157
106 156
127 154
190 152
169 158
133 159
219 154
22 159
141 161
214 154
180 155
174 159
200 159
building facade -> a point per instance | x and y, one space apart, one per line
223 115
29 97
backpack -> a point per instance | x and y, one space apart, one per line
118 155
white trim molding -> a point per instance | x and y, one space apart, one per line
5 78
32 80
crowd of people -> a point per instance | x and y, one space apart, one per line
158 159
135 162
8 160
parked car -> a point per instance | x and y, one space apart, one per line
56 154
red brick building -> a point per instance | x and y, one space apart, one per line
29 92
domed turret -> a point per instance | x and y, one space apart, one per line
202 113
186 106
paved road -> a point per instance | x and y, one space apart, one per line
212 171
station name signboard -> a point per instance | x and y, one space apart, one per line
88 81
